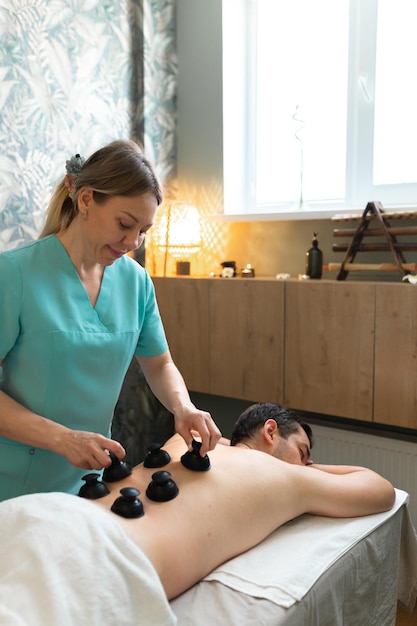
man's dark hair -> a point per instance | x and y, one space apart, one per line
256 415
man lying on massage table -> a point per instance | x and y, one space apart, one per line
261 481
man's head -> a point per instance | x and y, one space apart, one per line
276 430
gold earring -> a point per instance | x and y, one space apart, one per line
85 215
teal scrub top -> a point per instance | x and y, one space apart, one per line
63 358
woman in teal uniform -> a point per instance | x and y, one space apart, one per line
74 310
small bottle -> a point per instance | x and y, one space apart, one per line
314 259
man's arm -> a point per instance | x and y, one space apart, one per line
344 491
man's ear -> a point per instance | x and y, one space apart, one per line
270 431
85 197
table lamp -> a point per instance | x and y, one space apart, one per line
182 235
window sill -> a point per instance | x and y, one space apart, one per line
307 214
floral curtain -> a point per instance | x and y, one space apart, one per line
74 75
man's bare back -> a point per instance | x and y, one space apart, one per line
240 500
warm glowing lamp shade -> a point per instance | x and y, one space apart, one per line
181 238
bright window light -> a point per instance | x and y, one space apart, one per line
302 74
319 104
395 94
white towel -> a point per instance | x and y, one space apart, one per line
272 570
65 562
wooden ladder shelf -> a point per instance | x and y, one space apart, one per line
374 214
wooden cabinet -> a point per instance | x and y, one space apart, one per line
184 308
346 349
225 335
329 348
396 355
247 339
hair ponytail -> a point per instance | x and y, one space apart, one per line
60 213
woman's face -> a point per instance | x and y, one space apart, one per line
115 227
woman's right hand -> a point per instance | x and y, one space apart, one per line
87 450
83 449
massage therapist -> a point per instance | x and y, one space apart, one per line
74 310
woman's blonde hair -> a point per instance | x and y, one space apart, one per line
118 169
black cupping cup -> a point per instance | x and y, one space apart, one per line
93 487
117 470
193 460
162 488
156 457
128 504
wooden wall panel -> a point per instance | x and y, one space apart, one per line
329 348
184 306
396 355
246 339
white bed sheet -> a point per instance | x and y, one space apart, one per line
65 562
351 578
55 549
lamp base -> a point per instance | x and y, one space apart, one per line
183 268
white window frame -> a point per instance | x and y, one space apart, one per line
239 115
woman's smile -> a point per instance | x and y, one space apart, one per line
116 253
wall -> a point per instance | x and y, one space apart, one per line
270 246
199 164
280 246
199 130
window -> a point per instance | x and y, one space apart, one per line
320 105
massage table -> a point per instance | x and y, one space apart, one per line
314 571
66 562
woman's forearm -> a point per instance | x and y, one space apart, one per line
83 449
20 424
166 382
169 387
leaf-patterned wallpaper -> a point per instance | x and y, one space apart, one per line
75 74
160 85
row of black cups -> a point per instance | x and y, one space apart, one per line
162 488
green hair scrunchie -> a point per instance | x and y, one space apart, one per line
74 164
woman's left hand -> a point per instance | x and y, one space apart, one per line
192 419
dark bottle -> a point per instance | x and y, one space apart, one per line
314 259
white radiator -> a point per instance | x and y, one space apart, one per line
394 459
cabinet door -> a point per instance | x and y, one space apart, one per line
184 305
329 353
246 339
396 355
